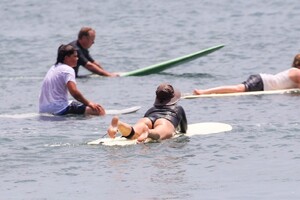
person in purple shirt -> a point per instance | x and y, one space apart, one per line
59 82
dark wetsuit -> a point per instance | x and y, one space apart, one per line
83 56
175 114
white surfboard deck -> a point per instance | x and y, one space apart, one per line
203 128
32 115
123 111
286 91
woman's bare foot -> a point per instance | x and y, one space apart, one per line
197 92
125 129
144 135
113 128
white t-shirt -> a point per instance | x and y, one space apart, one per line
54 91
278 81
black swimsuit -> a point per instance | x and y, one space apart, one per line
175 114
254 83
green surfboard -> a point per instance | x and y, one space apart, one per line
171 63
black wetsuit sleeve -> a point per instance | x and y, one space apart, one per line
183 122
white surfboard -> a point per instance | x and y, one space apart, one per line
287 91
32 115
123 111
193 129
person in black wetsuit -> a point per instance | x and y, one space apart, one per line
159 122
86 38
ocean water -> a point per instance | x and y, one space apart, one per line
44 157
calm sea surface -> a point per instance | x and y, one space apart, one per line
48 158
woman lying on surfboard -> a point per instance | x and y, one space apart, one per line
287 79
159 122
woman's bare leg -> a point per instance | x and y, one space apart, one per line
222 90
163 129
125 129
141 127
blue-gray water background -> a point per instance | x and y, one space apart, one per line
47 158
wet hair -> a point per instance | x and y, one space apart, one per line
84 31
296 62
63 51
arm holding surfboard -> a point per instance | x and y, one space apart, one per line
159 122
86 38
288 79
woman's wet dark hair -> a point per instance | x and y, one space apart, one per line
63 51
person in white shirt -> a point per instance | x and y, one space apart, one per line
287 79
59 80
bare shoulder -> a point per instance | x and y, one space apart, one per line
294 71
294 74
